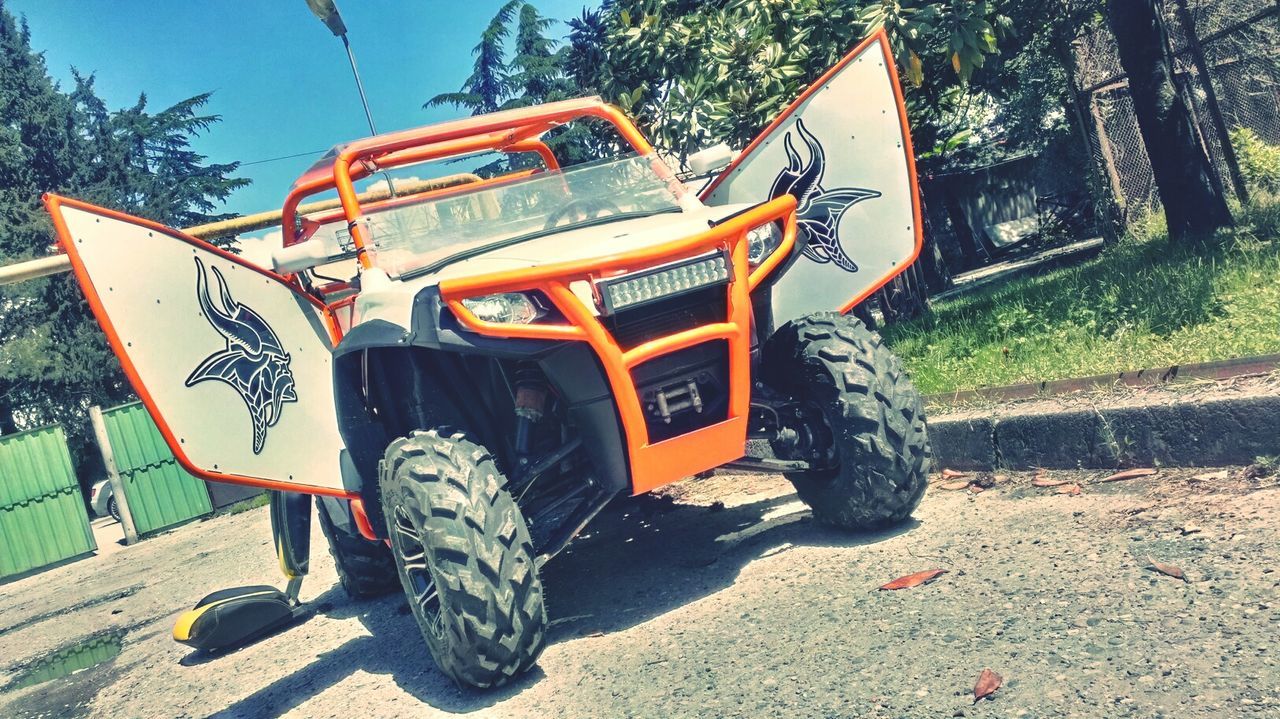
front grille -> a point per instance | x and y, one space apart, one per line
633 327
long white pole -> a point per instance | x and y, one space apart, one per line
56 264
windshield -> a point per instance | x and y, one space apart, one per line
436 231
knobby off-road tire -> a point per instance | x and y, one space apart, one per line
455 528
365 569
874 414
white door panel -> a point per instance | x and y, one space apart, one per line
234 365
844 151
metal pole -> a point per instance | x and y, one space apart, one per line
364 100
34 269
117 482
55 264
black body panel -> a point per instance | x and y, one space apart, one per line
428 368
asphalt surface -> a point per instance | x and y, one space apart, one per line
725 599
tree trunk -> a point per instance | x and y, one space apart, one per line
7 425
1193 202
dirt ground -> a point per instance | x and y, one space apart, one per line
723 598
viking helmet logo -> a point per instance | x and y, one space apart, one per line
818 210
253 361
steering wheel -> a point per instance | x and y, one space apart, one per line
581 209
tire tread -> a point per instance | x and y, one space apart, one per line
479 552
875 413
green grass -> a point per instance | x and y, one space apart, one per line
1144 303
244 505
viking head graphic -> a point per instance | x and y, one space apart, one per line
818 210
253 361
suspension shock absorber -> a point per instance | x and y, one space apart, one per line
531 399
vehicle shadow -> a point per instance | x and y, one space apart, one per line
642 557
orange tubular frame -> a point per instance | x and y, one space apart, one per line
511 131
652 465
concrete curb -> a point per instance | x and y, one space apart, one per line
1204 432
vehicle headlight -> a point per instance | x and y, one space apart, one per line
509 308
762 241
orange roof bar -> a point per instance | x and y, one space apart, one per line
326 182
510 128
533 120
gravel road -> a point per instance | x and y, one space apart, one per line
723 598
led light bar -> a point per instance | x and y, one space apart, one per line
661 283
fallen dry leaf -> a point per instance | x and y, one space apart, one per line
987 684
975 488
953 486
1128 474
1042 482
1168 569
914 580
1071 489
952 474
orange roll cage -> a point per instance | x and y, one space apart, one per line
507 131
651 464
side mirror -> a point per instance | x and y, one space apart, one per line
711 159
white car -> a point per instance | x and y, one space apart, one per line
102 499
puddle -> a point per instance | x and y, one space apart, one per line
87 653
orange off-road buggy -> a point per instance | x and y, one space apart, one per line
466 375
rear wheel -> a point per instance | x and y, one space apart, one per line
464 556
365 568
861 421
113 509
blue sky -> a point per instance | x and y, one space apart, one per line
280 80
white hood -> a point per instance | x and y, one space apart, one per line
382 298
585 243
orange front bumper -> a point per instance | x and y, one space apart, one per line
652 465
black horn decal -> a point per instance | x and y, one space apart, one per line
253 360
818 210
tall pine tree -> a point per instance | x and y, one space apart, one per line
489 84
536 67
54 361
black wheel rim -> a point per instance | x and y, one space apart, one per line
412 554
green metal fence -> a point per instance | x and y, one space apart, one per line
42 513
158 491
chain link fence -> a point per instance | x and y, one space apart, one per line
1227 61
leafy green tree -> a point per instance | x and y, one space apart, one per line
584 57
720 70
54 361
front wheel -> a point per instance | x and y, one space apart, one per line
862 421
113 509
464 556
